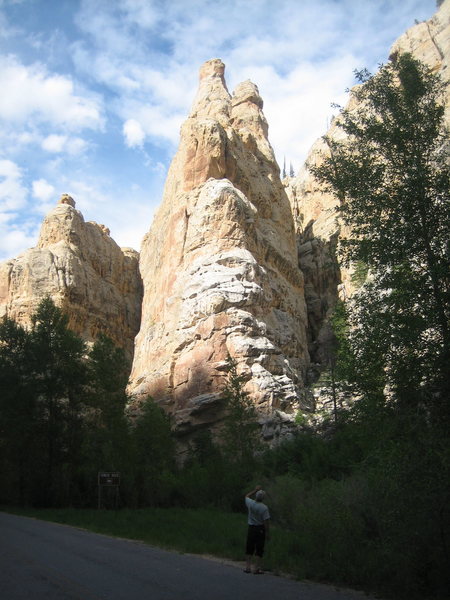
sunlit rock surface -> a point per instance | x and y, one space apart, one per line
220 268
84 271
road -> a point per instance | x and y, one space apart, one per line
41 560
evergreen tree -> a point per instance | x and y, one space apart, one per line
42 375
154 454
18 415
106 437
58 368
240 434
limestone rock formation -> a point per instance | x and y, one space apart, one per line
429 42
84 271
219 267
315 211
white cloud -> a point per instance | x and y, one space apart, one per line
15 141
154 121
173 87
56 144
134 134
45 193
14 239
89 195
126 212
13 194
140 12
127 71
42 190
76 146
33 93
298 107
300 54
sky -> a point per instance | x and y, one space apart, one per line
93 92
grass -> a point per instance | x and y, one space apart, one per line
194 531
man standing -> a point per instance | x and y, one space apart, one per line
258 529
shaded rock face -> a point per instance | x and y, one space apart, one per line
219 267
315 210
84 271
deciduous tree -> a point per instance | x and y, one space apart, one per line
392 176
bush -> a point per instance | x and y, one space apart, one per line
327 521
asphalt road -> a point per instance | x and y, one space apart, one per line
40 560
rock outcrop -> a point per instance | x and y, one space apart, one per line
220 269
315 210
429 42
236 262
84 271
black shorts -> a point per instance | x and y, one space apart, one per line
256 536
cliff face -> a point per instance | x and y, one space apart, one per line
429 42
315 211
235 263
219 267
84 271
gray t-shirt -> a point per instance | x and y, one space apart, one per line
257 512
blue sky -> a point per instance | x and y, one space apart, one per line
93 92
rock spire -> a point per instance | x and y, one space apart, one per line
83 270
219 267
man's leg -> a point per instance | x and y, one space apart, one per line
249 549
259 550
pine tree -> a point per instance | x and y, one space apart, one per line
154 454
19 461
59 371
240 435
106 437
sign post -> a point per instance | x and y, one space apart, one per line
108 479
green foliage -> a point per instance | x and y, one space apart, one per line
360 273
59 374
153 455
108 373
18 414
392 176
344 357
42 373
301 419
106 444
61 411
329 529
240 434
370 504
217 471
204 480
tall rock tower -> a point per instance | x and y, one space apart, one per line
220 268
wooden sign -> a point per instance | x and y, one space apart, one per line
109 478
